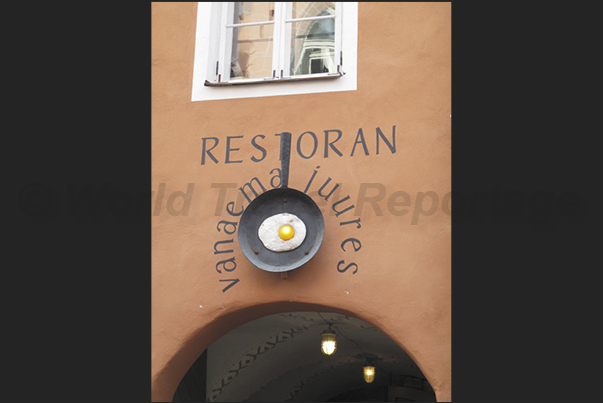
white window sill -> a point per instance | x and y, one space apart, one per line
274 80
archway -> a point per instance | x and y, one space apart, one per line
277 358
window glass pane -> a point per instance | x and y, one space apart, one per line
246 11
303 9
252 52
313 47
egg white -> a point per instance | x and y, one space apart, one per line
268 232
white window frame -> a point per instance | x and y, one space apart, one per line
281 47
212 19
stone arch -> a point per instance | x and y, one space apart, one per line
168 379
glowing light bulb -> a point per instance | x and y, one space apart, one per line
328 347
286 232
369 373
329 343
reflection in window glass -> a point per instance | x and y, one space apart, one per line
252 52
311 9
246 11
313 46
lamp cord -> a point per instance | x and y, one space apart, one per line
351 341
373 363
358 347
319 314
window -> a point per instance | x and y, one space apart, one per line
275 41
260 43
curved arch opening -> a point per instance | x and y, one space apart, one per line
277 357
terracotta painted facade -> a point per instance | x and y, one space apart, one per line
386 260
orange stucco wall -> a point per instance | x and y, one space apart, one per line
402 282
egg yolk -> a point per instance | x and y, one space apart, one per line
286 232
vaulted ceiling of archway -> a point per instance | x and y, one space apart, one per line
278 358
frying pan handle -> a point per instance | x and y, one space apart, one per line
285 158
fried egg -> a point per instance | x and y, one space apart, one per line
282 232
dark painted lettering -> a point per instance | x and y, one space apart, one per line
341 262
330 193
338 213
259 147
392 145
232 282
226 225
229 150
230 209
217 252
204 149
278 175
223 263
355 244
360 139
357 222
311 179
327 144
250 186
299 140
